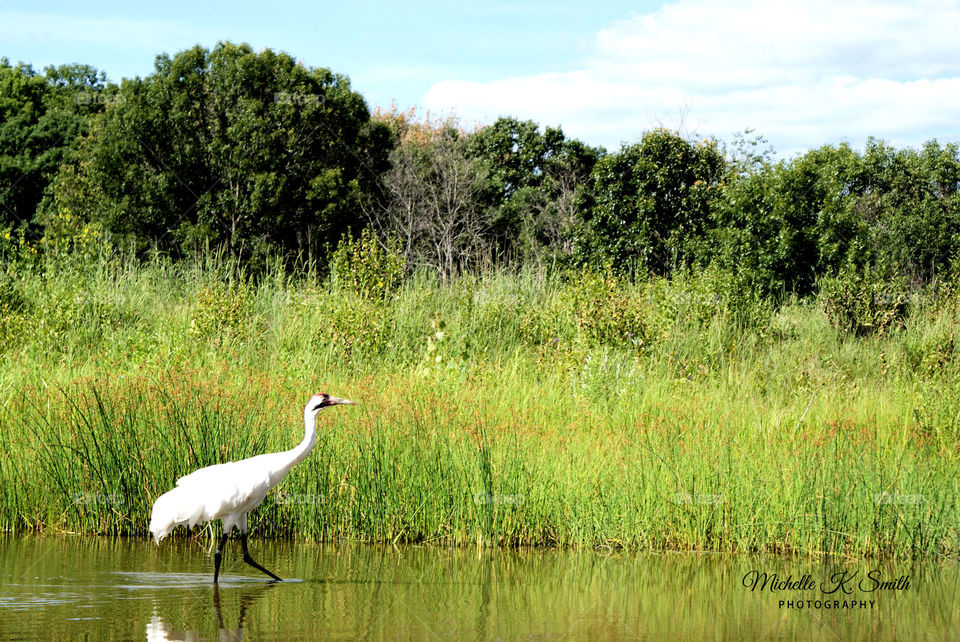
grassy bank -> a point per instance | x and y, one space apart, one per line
504 408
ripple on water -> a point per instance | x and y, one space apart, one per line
26 601
135 581
75 588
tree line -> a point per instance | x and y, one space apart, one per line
260 156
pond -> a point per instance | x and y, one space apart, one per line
125 589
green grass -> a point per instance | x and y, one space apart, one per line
502 408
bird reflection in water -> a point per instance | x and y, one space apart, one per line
158 630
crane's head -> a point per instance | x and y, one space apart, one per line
322 400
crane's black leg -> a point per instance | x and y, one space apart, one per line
249 560
217 555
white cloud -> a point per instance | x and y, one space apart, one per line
802 74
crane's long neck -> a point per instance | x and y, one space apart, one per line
298 454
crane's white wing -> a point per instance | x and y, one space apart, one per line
224 491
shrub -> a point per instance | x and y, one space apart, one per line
13 303
354 325
862 302
222 310
11 293
547 323
367 267
606 310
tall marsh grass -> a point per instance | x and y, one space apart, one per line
502 408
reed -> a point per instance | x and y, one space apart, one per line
497 409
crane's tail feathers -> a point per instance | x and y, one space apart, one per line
173 508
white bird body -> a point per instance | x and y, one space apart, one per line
229 491
223 491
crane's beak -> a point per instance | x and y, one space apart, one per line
332 401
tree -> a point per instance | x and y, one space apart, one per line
911 199
251 151
533 186
41 117
433 198
783 225
652 200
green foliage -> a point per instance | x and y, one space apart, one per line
698 298
251 151
13 306
517 152
11 293
41 117
787 225
533 186
259 155
57 311
256 153
864 301
583 441
16 252
934 352
652 200
586 440
607 311
222 310
353 326
441 359
783 225
551 321
367 266
70 243
911 203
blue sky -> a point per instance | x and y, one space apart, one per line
801 74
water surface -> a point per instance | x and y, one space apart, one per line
128 589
